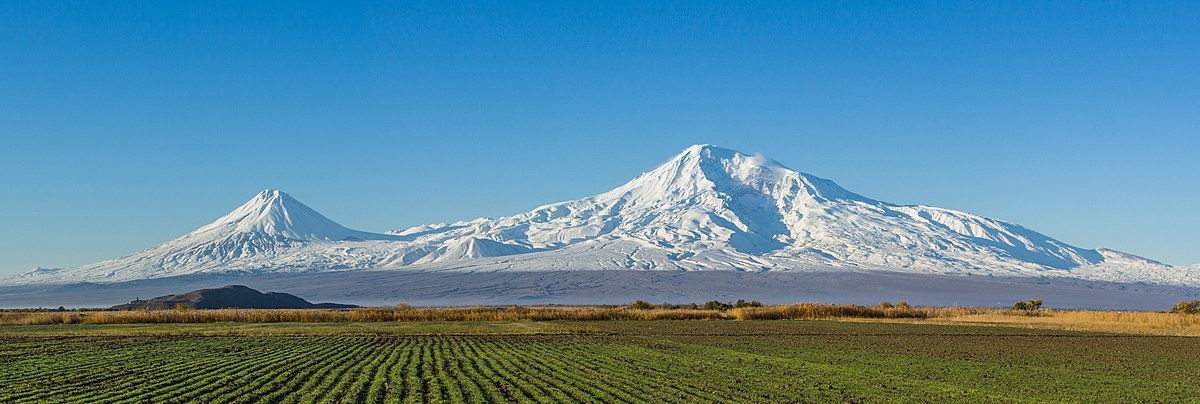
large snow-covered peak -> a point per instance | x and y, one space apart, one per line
705 167
702 171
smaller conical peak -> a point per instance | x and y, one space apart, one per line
270 205
275 213
272 211
269 195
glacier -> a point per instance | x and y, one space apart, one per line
706 209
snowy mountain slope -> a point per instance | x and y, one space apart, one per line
708 208
269 226
1123 267
708 200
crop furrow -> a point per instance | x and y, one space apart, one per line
287 377
117 380
379 381
317 381
497 388
350 383
471 383
452 391
633 374
257 370
182 373
83 358
653 365
554 376
550 355
529 385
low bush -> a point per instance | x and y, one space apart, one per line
1028 305
742 303
1186 307
641 305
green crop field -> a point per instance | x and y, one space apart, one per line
607 361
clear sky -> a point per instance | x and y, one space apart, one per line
125 124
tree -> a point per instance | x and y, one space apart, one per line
1186 307
1033 304
716 305
743 303
641 305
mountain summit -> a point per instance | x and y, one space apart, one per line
275 215
257 236
707 169
707 208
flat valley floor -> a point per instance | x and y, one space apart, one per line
449 288
602 361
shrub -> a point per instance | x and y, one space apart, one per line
1028 305
716 305
641 305
885 305
1186 307
902 305
743 303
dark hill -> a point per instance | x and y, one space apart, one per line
229 297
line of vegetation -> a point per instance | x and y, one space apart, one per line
639 310
372 314
1178 318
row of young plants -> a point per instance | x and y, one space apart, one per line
333 369
672 361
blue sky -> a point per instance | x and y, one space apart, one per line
125 124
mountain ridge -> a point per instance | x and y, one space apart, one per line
706 208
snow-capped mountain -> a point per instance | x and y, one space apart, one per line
270 225
708 208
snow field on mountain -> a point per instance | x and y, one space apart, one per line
707 208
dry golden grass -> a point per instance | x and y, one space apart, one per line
482 313
513 313
818 311
1078 320
1132 322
